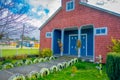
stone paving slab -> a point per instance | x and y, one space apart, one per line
4 75
24 69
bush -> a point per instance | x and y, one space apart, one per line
113 66
2 59
115 46
22 56
46 53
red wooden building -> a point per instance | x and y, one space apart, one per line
78 20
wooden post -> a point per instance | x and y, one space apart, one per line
99 62
22 35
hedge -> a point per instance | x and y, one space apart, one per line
113 66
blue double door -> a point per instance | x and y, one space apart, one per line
83 44
72 44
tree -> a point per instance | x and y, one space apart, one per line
12 16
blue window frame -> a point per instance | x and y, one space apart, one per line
70 5
48 34
101 31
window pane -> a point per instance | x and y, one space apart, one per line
97 31
71 6
68 6
103 31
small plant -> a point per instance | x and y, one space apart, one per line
60 45
46 53
8 66
115 46
74 69
44 72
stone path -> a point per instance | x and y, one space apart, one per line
6 74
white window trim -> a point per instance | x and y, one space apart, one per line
106 31
68 3
48 33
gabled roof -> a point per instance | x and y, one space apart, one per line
101 9
85 4
50 18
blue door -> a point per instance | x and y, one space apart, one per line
72 46
84 45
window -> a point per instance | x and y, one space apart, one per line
101 31
48 35
70 5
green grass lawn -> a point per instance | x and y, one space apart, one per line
11 52
86 71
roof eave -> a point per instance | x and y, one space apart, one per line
101 9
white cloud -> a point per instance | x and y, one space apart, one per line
52 5
34 10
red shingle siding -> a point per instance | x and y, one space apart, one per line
83 15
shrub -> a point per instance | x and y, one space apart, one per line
115 46
23 56
6 61
113 66
46 52
2 58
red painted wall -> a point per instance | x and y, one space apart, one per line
83 15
